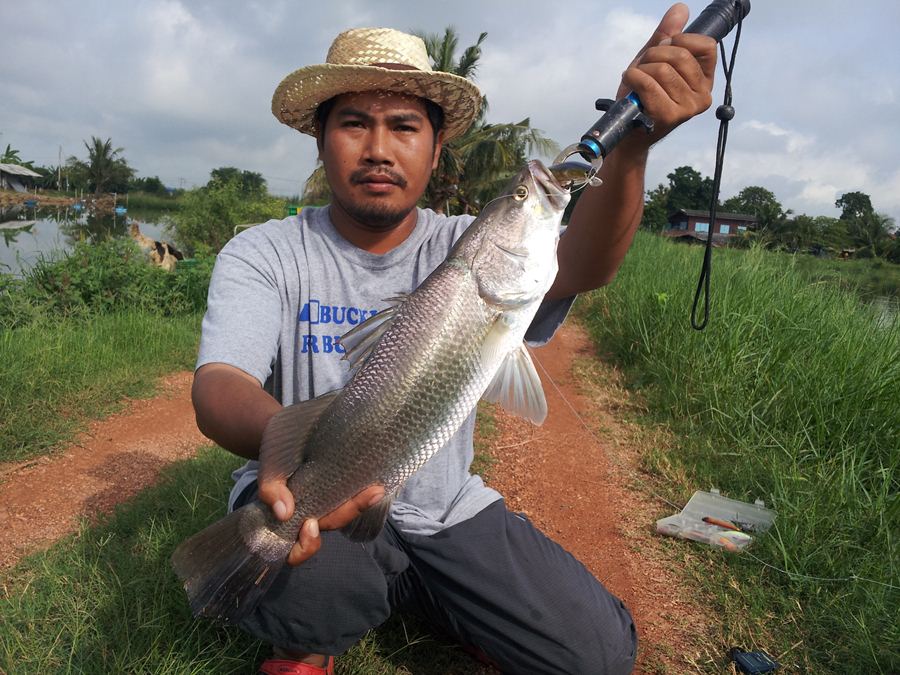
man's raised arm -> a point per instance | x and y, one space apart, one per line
673 76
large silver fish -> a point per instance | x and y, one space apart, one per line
425 363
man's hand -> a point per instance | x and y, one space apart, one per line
672 74
276 495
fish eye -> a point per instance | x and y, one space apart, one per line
521 193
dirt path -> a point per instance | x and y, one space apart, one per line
44 499
582 487
560 474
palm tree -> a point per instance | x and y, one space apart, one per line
442 52
11 156
316 189
105 169
473 167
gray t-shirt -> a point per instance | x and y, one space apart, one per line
281 295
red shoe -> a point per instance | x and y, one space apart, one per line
288 667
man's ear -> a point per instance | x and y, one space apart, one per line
438 145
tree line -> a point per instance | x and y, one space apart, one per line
474 166
859 227
104 169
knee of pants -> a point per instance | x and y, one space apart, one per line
610 650
328 603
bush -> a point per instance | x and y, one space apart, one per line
208 215
103 278
19 302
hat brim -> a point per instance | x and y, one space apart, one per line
300 93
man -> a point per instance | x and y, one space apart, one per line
283 292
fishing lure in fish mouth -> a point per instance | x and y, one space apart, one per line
572 175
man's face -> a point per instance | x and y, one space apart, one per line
379 150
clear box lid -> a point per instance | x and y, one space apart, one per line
710 518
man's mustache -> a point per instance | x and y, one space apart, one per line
366 175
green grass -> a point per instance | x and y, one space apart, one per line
868 277
107 601
148 201
791 394
60 372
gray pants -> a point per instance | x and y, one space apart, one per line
493 582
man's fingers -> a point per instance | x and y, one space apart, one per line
275 494
309 539
703 48
308 543
684 56
350 509
672 23
674 80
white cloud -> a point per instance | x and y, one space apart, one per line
185 86
795 141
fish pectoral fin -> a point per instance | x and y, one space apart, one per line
359 341
517 387
368 524
285 436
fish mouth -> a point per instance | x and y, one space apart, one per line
548 186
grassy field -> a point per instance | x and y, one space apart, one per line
107 601
80 333
868 277
58 374
148 201
791 394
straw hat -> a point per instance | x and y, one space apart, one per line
375 59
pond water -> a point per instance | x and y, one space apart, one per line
887 310
31 234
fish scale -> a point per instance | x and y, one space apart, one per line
416 403
421 366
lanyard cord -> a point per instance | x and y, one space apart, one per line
724 113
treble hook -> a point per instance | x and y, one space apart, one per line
572 175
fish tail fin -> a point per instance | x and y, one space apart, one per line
223 576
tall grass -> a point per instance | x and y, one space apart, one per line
58 374
791 394
868 277
107 601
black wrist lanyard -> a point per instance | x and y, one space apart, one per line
724 113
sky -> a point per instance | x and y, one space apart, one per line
185 87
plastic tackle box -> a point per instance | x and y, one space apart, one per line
750 519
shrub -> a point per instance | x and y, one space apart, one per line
208 215
103 278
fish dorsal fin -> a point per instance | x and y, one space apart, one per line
517 387
284 438
367 525
359 341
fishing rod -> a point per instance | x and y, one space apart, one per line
622 116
